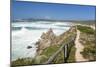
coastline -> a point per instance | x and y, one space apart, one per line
44 51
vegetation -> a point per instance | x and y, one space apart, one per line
22 62
86 29
71 58
50 50
60 57
88 22
90 52
87 38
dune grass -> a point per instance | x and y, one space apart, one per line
87 38
85 29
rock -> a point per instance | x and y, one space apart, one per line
46 40
38 42
29 47
49 39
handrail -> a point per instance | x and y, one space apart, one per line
59 50
54 55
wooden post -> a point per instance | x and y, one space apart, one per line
65 54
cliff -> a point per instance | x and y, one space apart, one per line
50 39
46 39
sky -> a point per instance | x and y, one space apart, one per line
25 10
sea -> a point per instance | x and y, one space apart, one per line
27 34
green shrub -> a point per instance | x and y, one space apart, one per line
86 29
89 52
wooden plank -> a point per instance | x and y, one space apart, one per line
65 54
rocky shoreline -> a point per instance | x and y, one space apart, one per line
47 45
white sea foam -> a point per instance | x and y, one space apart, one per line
25 37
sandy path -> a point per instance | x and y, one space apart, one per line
79 48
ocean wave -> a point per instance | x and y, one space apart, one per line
25 34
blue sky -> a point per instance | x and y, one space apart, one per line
24 10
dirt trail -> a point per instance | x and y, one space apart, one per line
79 48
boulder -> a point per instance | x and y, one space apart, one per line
29 47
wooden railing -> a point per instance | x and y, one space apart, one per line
66 48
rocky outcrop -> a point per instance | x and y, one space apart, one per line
49 39
46 40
